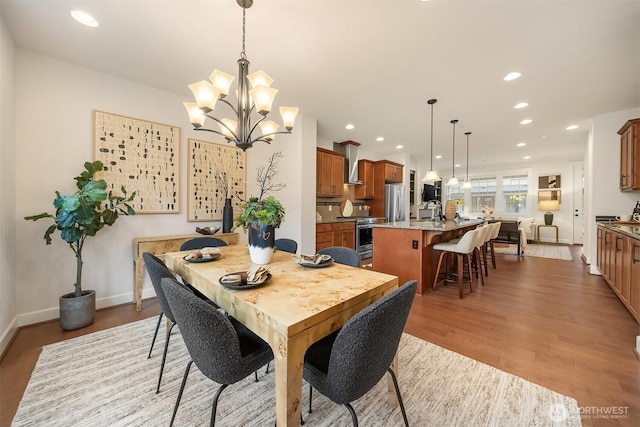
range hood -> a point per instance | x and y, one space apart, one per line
350 149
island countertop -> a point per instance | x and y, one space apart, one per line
431 225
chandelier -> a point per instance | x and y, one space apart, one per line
258 99
432 174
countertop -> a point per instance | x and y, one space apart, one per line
347 219
431 225
631 230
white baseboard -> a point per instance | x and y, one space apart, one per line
53 313
594 270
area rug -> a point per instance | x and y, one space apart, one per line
538 251
105 379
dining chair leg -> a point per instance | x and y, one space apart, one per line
310 398
215 404
354 418
184 381
493 254
460 271
164 356
400 402
155 334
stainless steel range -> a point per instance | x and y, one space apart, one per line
364 236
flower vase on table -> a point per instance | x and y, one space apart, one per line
227 216
261 242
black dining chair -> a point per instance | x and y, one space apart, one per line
223 349
348 363
157 271
202 242
343 255
287 245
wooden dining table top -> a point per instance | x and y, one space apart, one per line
295 308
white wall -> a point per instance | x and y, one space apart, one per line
7 189
602 177
54 138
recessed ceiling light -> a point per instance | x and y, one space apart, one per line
521 105
438 156
526 157
512 76
84 18
521 144
349 126
399 147
572 127
379 139
458 165
526 121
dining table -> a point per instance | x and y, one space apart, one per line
297 306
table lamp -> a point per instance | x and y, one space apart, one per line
548 205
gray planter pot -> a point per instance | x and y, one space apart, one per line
76 313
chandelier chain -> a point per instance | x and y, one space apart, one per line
243 55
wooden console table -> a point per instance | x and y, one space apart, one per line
160 246
545 225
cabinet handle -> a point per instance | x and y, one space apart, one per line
633 254
617 239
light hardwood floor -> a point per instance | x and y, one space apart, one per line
547 321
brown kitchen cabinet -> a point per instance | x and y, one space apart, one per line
630 155
365 174
329 173
391 171
336 234
619 262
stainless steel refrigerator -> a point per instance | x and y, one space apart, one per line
394 202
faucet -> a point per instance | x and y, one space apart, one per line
436 208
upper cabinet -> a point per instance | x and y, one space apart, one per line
365 173
329 173
392 171
630 156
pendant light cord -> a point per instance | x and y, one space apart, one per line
243 55
453 160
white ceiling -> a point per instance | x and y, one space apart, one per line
376 63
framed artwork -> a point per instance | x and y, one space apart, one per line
215 172
549 181
141 155
549 195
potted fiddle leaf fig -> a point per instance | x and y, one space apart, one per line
78 216
261 215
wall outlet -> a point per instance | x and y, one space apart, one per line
414 244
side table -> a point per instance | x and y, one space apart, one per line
545 225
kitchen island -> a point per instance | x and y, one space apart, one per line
405 248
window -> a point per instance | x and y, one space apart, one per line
483 193
456 193
514 193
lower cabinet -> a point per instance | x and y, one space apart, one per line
336 234
619 262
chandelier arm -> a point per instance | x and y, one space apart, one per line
223 124
272 133
230 105
261 139
256 124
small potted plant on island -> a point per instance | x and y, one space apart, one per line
261 215
79 216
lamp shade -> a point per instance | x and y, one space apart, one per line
222 81
288 115
431 175
260 78
467 185
268 127
230 128
196 115
206 95
263 97
549 205
453 182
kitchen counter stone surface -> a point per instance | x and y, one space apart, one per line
631 230
431 225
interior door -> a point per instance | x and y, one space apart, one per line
578 203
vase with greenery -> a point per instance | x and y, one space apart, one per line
260 216
81 215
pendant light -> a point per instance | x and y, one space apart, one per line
453 181
432 174
467 184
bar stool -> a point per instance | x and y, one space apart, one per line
481 249
462 249
495 230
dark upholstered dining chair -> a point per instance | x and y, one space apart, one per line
202 242
342 255
348 363
157 271
287 245
222 348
